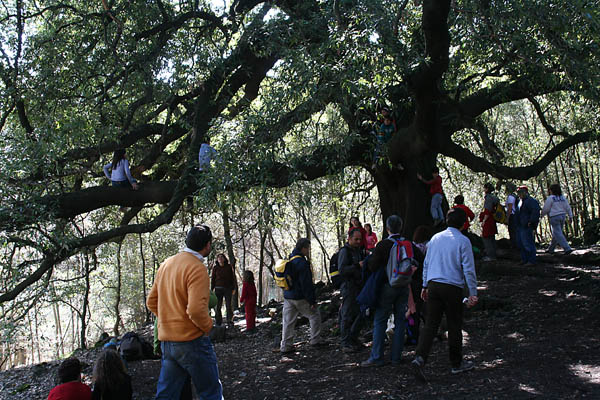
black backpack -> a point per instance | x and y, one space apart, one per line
334 273
131 347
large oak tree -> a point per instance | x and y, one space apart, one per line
289 90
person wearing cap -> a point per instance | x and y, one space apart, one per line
528 217
180 300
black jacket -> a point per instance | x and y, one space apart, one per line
302 281
348 264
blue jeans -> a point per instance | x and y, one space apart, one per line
526 243
182 360
389 299
556 223
436 207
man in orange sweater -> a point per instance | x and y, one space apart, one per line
179 299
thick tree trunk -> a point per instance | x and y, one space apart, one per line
401 193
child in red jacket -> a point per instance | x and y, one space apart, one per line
248 297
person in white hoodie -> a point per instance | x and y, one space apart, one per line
557 208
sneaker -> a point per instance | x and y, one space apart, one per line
371 363
284 351
464 366
417 367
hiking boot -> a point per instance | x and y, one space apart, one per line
371 363
464 366
417 366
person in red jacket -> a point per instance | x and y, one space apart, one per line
459 202
248 298
437 195
70 388
355 224
371 238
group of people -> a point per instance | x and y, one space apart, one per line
522 213
110 380
444 267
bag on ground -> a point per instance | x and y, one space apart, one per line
131 347
282 277
401 263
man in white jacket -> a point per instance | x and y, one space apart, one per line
556 207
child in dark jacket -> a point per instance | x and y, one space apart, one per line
248 297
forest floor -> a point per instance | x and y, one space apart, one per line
535 334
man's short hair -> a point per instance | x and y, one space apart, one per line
394 224
198 237
69 370
460 199
456 218
302 243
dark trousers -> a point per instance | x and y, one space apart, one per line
221 293
512 230
443 299
350 318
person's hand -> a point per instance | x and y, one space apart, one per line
472 301
135 186
361 263
424 294
420 177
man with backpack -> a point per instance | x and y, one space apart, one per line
389 298
300 298
350 264
449 263
528 218
179 298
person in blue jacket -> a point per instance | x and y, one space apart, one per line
528 217
300 298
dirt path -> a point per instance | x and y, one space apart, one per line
535 334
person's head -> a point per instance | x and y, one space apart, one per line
460 199
435 171
422 234
69 370
387 120
118 155
555 189
368 228
222 260
522 191
488 188
109 370
385 112
393 224
510 187
303 246
355 222
456 218
199 239
354 238
248 276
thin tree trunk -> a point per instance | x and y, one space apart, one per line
86 298
118 294
263 239
146 311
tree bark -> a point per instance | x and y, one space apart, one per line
118 293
